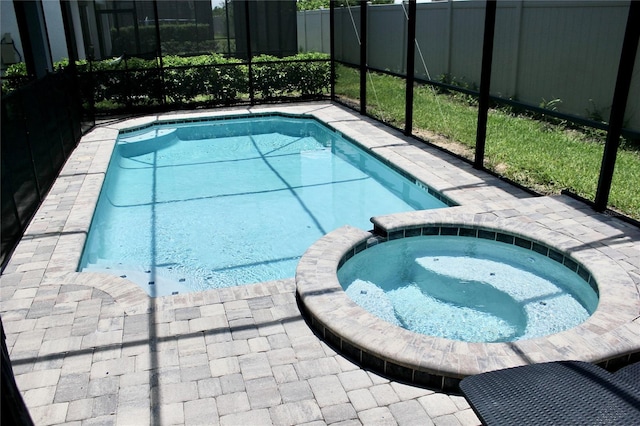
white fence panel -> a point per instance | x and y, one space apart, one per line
387 46
505 48
313 31
433 35
632 116
543 49
570 51
347 34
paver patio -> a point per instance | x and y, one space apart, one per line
88 348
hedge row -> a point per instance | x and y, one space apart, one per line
205 79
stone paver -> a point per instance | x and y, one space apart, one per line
94 349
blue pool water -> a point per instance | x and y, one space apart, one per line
187 207
467 289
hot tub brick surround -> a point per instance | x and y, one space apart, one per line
440 363
381 365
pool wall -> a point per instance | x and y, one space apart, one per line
441 363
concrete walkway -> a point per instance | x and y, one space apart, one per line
95 349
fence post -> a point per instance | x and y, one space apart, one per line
226 14
485 82
516 53
127 82
76 99
248 29
301 22
411 61
332 50
159 51
363 57
323 47
69 34
8 181
29 143
35 41
449 35
619 105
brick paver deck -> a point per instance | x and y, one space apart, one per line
92 349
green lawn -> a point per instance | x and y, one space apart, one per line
546 157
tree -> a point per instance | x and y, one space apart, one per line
324 4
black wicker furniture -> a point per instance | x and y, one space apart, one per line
556 393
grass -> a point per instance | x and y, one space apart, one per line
544 156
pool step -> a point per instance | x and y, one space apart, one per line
154 283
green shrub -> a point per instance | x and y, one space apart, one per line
14 77
213 76
270 78
213 79
310 78
297 78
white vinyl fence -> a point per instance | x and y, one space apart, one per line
543 49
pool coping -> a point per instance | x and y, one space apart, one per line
52 244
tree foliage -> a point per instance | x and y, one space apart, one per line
129 82
324 4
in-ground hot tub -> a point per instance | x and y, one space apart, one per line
474 286
441 362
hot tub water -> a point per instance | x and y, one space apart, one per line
467 289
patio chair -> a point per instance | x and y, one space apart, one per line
556 393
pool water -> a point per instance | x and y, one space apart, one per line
187 207
467 289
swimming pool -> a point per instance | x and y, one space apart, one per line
188 206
